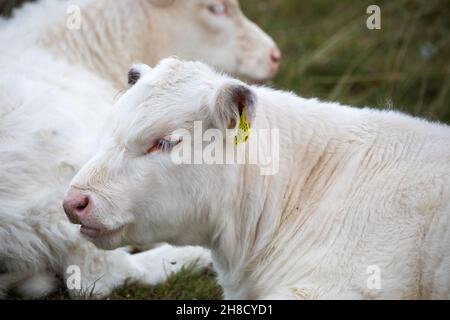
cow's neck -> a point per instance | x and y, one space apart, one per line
111 38
270 220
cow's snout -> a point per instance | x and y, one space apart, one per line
275 56
275 59
77 206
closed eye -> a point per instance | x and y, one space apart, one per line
164 145
218 9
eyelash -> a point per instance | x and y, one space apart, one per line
163 145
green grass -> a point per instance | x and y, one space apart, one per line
187 284
329 53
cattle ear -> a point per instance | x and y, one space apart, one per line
162 3
232 100
136 72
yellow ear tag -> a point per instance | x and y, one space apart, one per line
243 131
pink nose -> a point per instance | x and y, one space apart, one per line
275 56
77 207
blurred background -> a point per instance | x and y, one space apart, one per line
329 53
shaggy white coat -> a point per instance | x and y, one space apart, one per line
357 188
56 87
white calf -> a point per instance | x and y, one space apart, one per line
61 63
359 208
42 146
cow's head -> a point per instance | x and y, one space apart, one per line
132 191
219 34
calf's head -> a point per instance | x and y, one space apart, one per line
131 191
219 34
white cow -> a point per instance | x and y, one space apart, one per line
57 83
107 36
359 207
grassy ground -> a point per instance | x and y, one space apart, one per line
329 53
185 285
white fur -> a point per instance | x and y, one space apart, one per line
45 138
38 285
115 34
356 188
56 87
